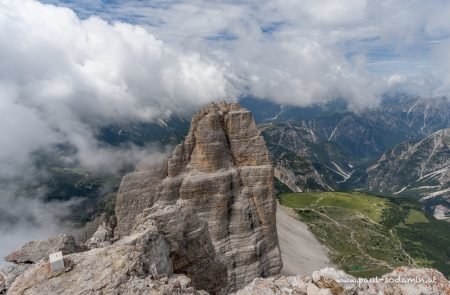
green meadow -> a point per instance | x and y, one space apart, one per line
369 235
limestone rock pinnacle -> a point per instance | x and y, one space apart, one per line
217 186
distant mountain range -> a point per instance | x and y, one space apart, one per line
416 169
400 149
318 148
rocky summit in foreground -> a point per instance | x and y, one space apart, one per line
201 222
329 281
207 214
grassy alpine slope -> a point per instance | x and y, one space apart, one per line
369 235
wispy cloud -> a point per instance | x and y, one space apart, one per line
62 78
395 36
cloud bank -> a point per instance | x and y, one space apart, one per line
62 78
370 41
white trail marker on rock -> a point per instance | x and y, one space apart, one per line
56 261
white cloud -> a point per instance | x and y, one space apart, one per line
397 38
395 80
409 23
26 218
442 69
61 75
302 73
61 78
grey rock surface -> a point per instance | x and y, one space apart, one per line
34 251
101 270
329 281
104 234
138 190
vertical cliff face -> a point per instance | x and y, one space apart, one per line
213 201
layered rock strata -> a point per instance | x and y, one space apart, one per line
216 193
